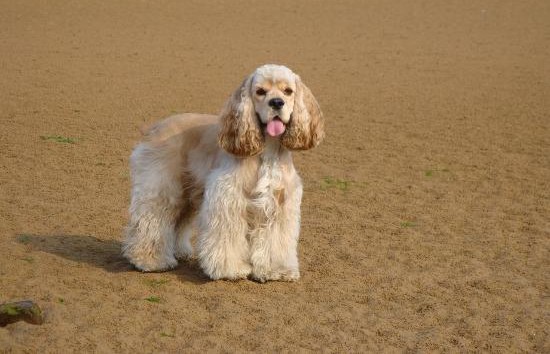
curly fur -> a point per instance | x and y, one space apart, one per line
227 182
307 128
241 134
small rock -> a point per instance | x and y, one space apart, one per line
27 311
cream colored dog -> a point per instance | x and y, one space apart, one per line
231 178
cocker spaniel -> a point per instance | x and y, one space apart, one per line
229 179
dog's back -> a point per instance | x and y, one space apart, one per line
187 127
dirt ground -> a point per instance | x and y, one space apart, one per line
426 212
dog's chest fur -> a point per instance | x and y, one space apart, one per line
269 192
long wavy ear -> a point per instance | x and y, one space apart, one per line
306 129
241 134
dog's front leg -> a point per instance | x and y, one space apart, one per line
274 248
223 250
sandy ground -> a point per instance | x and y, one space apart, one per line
426 212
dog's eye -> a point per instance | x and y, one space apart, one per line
260 92
288 91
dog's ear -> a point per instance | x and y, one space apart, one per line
241 133
306 128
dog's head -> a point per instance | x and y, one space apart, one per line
272 103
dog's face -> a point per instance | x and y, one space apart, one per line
273 91
272 102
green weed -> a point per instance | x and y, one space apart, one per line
59 139
329 182
408 224
430 173
341 184
154 299
155 283
24 239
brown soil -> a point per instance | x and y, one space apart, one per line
426 213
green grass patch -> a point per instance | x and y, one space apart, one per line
155 283
430 173
329 182
154 299
408 224
59 139
24 239
341 184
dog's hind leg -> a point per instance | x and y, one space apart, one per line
150 238
155 206
184 247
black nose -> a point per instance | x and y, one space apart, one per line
276 103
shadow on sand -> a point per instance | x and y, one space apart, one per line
100 253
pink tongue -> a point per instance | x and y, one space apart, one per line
275 127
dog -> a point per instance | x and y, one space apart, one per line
229 180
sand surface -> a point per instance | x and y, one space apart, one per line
426 211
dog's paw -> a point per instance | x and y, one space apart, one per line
184 247
184 254
259 278
154 265
237 272
289 275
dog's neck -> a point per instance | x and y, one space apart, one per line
273 150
